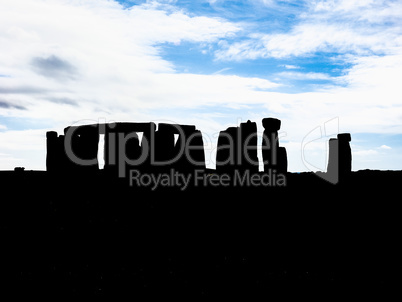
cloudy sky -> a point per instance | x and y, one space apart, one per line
322 67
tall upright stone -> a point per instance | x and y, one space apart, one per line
195 155
237 149
345 152
165 151
184 133
184 154
227 150
52 152
110 149
248 147
63 162
282 166
147 143
333 158
339 157
270 143
128 147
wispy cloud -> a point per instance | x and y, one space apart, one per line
54 67
356 27
291 66
8 105
222 70
304 75
62 100
112 53
368 11
310 37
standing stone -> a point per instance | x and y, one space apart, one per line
164 147
110 149
189 149
333 157
147 143
52 152
182 163
196 152
63 161
56 157
339 157
270 143
226 153
129 147
248 147
282 160
345 154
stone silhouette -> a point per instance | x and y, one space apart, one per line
77 150
54 154
172 146
237 149
178 147
184 154
274 157
340 156
123 150
282 166
227 150
248 142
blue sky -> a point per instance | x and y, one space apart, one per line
212 63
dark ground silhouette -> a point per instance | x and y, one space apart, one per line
91 233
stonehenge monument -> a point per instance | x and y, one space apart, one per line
179 147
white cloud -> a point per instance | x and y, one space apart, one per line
304 75
94 54
268 2
376 71
291 67
26 148
341 5
356 27
72 61
369 98
385 147
373 11
307 38
22 140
